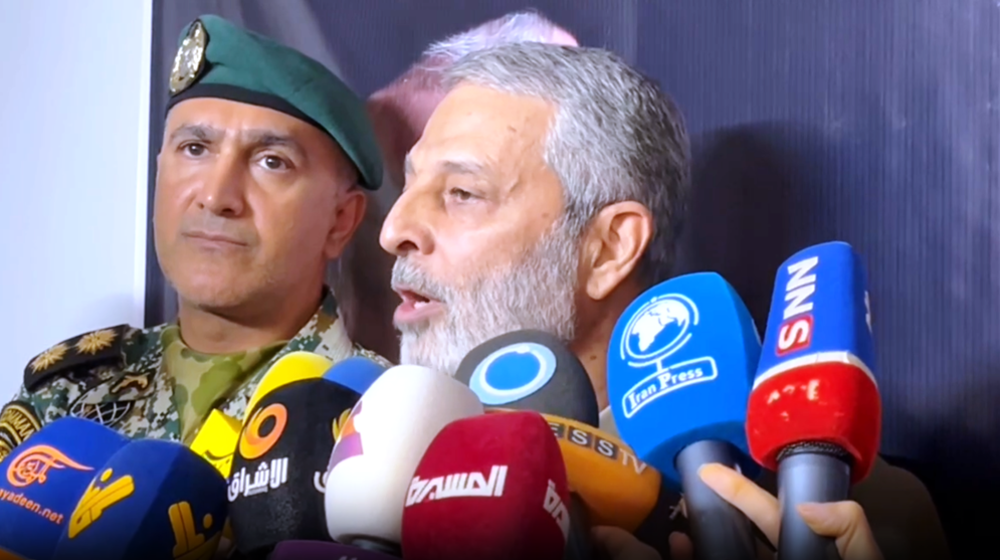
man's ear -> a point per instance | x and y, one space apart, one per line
350 212
614 243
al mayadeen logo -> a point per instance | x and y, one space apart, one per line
32 466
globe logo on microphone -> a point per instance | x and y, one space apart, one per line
661 327
512 373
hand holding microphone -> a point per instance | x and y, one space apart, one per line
843 522
680 364
815 413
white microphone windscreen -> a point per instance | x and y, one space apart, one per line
380 445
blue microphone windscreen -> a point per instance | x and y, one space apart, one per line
356 373
153 499
44 477
680 366
826 281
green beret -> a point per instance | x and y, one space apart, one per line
219 59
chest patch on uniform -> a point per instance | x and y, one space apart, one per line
112 400
108 414
139 382
18 421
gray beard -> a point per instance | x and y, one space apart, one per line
535 292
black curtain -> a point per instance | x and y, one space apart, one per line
871 122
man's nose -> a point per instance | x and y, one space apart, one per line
406 228
223 192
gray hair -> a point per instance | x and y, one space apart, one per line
615 137
516 27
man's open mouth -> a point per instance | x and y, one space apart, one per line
416 299
415 306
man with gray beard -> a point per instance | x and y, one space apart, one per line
544 193
399 112
524 293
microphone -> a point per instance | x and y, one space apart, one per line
533 370
614 486
815 414
489 487
680 364
357 373
294 366
216 441
317 550
530 370
152 499
44 477
379 448
276 486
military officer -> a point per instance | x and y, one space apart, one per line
258 187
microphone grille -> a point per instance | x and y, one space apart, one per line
816 447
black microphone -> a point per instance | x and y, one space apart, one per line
530 370
276 488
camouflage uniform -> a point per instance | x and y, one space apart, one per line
147 383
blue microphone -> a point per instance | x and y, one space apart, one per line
680 368
152 500
356 373
44 477
815 414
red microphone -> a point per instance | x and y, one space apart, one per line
815 414
489 487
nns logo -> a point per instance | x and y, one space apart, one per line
796 331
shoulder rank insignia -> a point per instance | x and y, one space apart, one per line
102 347
190 58
18 421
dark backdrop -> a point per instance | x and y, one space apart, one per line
871 122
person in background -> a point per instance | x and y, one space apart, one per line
399 112
544 193
259 184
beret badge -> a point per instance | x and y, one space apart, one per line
190 59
